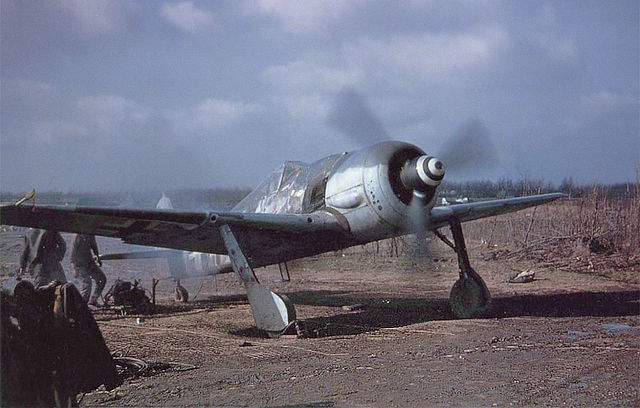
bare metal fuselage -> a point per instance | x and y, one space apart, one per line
360 188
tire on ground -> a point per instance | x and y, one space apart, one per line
470 297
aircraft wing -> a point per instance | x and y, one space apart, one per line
481 209
261 234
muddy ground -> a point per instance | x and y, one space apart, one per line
566 339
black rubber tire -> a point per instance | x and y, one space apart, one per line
470 297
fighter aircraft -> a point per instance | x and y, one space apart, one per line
384 190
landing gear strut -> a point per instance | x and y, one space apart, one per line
272 313
469 296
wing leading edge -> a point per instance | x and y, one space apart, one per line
185 230
481 209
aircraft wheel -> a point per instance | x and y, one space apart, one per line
470 297
181 294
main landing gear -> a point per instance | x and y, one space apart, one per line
272 313
469 296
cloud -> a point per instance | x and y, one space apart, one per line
27 93
27 87
332 19
562 49
105 111
96 17
130 144
56 132
118 143
309 16
138 95
213 112
304 89
598 107
23 101
545 36
38 33
604 102
186 16
429 55
108 105
307 87
309 74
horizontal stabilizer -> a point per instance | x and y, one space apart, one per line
153 254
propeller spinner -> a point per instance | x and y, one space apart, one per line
422 174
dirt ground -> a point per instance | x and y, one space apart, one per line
565 339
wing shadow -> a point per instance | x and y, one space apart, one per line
380 312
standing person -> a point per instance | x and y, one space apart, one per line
85 268
41 257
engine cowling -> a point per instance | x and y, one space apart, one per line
373 188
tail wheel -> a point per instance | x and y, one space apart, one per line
470 297
182 295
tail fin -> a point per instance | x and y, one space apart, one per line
164 203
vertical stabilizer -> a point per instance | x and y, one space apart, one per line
164 203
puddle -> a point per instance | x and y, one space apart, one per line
618 326
573 335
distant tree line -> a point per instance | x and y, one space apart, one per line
226 198
192 198
514 188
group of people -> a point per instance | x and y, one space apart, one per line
44 251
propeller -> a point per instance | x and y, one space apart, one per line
467 150
350 114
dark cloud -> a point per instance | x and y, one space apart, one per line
35 31
108 94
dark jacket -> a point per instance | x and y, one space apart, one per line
42 247
81 249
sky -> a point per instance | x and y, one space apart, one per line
120 95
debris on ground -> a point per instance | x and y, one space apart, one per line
131 296
603 244
489 256
131 367
354 306
308 330
495 254
522 277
